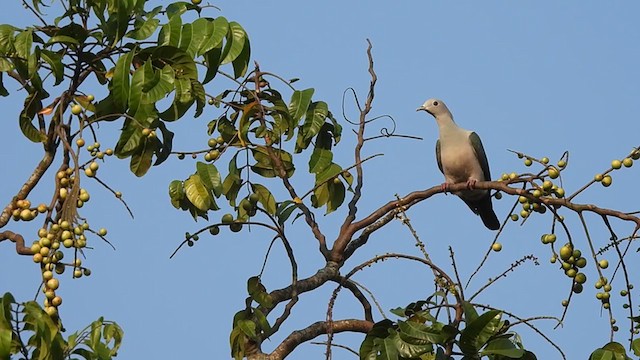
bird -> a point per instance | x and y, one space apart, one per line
461 158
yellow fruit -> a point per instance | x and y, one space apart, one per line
102 232
53 284
544 160
76 109
566 252
50 310
89 172
56 301
580 278
80 142
94 166
547 185
616 164
603 264
606 181
527 162
496 247
26 215
627 162
196 2
553 172
562 164
146 132
598 177
90 97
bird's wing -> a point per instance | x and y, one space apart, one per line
438 159
474 139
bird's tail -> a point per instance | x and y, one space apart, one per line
488 216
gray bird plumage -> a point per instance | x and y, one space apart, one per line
461 158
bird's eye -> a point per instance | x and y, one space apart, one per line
435 103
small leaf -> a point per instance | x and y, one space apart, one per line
265 197
635 346
141 159
503 347
32 105
210 177
248 327
235 42
176 193
299 104
197 192
241 63
473 337
120 82
320 160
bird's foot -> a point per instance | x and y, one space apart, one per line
471 184
445 187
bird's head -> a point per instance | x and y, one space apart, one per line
434 107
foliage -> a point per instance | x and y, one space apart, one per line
100 340
269 161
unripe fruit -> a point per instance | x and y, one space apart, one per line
528 162
566 252
212 142
565 303
523 199
544 160
627 162
146 132
514 217
553 172
90 97
76 109
196 2
524 214
86 272
562 164
580 278
235 227
616 164
560 192
607 288
577 288
547 185
598 177
80 142
227 219
536 193
214 230
606 181
102 232
496 247
571 273
603 263
581 262
37 258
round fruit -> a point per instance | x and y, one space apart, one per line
53 284
607 287
102 232
86 272
26 215
196 2
77 273
598 177
544 160
214 230
90 97
603 263
547 185
67 243
213 154
562 164
514 217
89 173
553 172
560 192
246 205
235 227
496 247
80 142
50 310
565 303
522 199
118 194
524 214
56 301
606 181
76 109
528 162
47 275
551 238
566 252
577 288
227 219
211 101
616 164
580 278
581 262
212 142
498 195
146 132
220 140
627 162
537 193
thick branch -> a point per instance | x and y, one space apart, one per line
31 182
18 239
386 213
319 328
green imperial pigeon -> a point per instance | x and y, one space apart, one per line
461 158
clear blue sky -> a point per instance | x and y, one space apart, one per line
539 77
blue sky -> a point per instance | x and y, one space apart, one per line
538 77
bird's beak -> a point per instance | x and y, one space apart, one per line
420 108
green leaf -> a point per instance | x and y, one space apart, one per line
5 343
55 62
164 151
144 29
320 160
193 36
210 177
141 158
7 38
420 331
336 196
212 60
176 193
265 197
299 103
284 211
181 63
231 184
316 116
183 100
32 105
216 32
120 83
474 336
197 192
470 313
235 42
635 346
23 43
241 63
262 321
503 347
180 7
248 327
170 33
